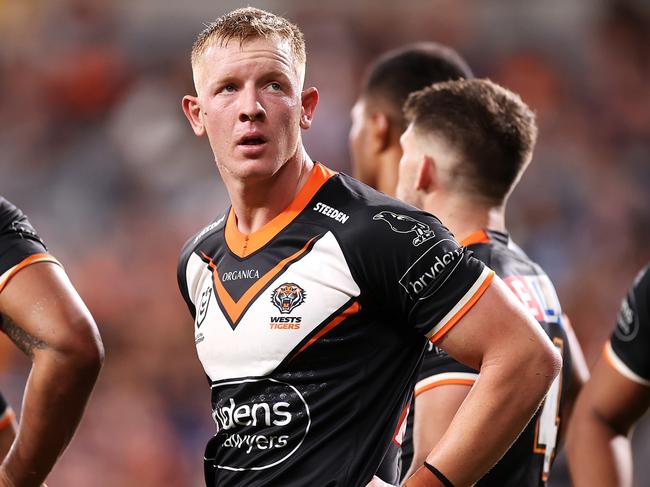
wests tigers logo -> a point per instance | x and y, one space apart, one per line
287 297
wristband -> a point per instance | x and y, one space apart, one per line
445 481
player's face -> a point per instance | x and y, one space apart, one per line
363 162
251 106
409 168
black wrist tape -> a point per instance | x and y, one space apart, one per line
445 481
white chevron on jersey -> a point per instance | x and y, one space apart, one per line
265 347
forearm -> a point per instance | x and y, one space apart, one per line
55 396
599 456
489 420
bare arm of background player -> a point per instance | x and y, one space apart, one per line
597 444
45 317
515 360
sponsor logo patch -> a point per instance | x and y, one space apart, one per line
240 274
288 297
260 423
406 224
430 272
627 323
211 226
333 213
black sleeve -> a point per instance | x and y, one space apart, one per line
18 239
630 340
410 266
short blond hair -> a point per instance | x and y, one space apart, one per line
249 23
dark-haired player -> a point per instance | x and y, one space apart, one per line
614 398
377 117
306 322
465 148
41 312
378 122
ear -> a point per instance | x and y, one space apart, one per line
427 177
380 131
192 110
308 101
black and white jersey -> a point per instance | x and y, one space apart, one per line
528 461
628 349
20 246
310 331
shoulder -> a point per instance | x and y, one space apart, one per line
188 266
371 217
206 232
641 287
20 245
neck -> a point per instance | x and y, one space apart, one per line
388 169
464 217
257 202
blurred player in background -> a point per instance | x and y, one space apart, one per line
378 122
466 146
312 295
377 117
614 398
43 315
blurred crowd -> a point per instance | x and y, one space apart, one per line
95 149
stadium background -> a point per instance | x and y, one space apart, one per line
95 148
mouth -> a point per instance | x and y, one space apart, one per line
252 140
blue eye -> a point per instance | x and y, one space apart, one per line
275 86
228 89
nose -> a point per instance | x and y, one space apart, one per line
251 107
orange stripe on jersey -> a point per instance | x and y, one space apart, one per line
32 259
236 308
242 244
347 312
445 382
461 312
480 236
7 418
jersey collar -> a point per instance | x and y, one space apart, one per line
243 245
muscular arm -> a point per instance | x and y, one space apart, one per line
515 359
45 317
597 443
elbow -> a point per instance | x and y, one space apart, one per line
81 347
549 362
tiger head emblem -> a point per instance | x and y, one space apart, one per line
287 297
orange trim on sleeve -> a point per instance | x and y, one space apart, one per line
236 308
32 259
349 311
242 244
7 418
479 236
445 382
461 312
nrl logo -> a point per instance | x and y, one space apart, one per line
406 224
287 297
